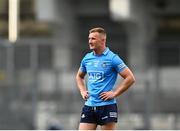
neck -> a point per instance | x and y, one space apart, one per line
99 51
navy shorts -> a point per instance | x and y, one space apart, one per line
99 115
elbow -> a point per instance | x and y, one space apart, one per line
133 79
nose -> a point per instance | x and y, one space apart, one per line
90 41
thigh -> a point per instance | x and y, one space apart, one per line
109 126
108 114
87 126
88 116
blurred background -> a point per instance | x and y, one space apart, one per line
37 72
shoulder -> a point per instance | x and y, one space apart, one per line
111 55
87 56
115 58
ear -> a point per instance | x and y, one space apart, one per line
104 40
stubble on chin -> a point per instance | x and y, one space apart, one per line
91 47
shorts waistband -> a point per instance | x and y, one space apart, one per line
98 107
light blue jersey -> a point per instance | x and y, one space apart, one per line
102 71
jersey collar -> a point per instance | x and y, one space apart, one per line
106 51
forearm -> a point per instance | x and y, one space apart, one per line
81 84
123 86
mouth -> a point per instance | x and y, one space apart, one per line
90 44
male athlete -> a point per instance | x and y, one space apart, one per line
102 67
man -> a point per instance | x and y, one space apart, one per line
102 67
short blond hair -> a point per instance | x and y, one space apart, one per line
100 30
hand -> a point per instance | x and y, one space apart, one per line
84 95
107 95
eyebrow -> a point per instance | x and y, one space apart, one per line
91 37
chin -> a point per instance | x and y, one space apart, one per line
91 48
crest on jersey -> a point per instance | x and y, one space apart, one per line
104 65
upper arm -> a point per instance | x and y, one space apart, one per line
80 74
122 68
82 70
118 64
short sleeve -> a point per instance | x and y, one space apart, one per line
118 64
82 66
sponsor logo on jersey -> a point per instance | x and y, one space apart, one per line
96 76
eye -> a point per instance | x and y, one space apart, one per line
93 38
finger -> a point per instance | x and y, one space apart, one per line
103 93
87 96
107 98
84 96
102 96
